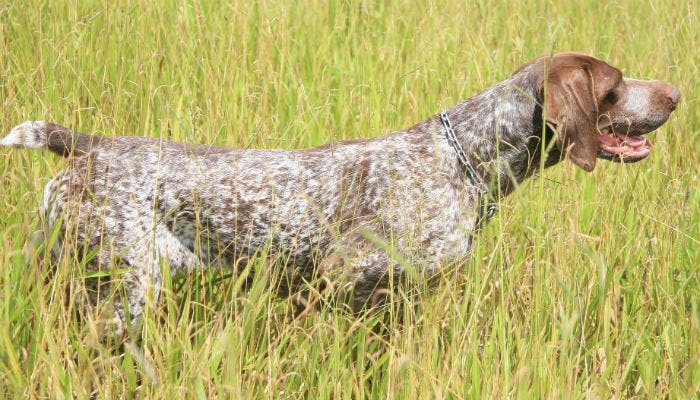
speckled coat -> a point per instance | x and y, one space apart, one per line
330 210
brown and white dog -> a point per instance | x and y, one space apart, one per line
140 202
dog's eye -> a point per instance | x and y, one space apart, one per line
611 97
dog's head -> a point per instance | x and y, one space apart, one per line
596 112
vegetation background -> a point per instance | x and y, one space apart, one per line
585 285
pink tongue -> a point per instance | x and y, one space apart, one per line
608 139
634 141
621 140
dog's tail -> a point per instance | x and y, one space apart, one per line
49 136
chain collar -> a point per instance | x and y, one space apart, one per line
487 208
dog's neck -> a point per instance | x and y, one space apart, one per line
500 130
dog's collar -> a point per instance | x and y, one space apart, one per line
487 208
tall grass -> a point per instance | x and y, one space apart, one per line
585 285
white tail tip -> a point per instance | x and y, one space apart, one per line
28 134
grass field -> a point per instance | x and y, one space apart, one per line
584 286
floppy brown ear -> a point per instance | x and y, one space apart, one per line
571 110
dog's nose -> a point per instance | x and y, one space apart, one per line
673 95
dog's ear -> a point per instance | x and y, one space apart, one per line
571 110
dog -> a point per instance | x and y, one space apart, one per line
328 211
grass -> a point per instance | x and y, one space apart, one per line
585 285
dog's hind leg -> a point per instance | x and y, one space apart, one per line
142 274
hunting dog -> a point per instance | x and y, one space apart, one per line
140 202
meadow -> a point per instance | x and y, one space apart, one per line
585 285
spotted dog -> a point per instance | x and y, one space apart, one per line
136 203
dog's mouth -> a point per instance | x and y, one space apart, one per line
622 147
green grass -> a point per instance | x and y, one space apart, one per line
585 285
